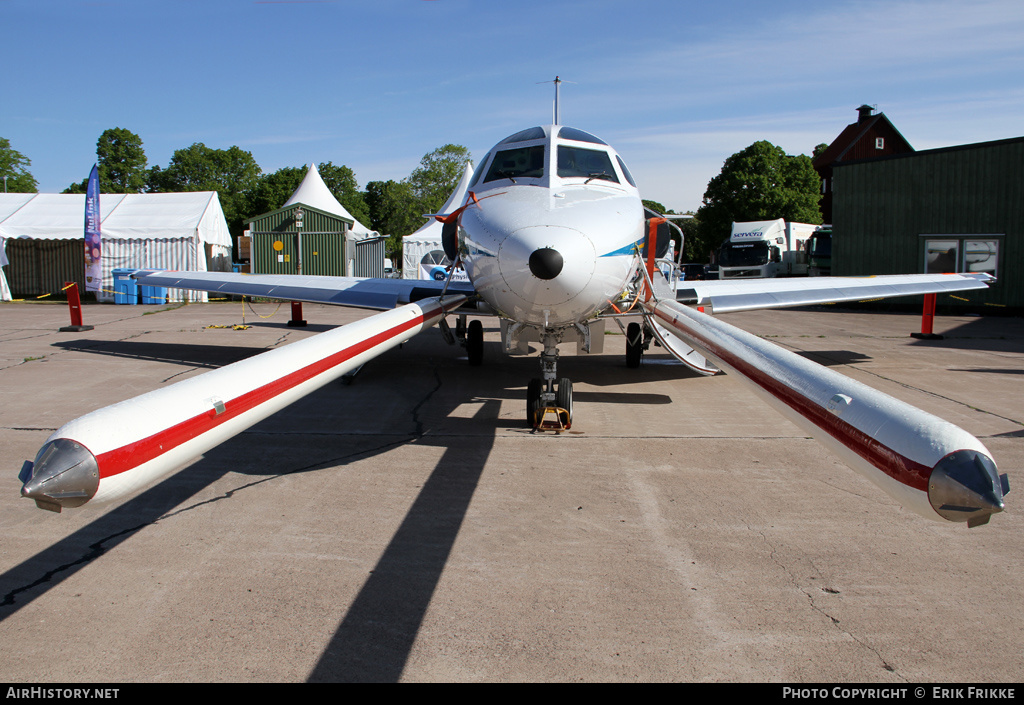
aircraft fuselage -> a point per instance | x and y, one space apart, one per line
552 234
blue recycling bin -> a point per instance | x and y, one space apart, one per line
126 289
153 294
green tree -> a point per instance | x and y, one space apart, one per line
122 161
14 169
393 211
760 182
655 206
232 173
695 247
274 190
437 176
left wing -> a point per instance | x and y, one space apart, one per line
359 292
727 295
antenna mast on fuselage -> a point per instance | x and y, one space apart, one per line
558 83
557 116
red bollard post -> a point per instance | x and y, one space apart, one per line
75 305
927 320
296 321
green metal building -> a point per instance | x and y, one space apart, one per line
956 209
275 239
311 234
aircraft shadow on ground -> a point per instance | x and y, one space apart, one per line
987 370
991 333
188 354
374 639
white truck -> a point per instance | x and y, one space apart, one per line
769 248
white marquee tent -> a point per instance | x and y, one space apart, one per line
314 192
158 230
421 248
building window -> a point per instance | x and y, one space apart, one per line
879 143
947 254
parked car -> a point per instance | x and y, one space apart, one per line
693 271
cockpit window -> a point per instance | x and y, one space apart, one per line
586 163
479 171
625 171
534 133
571 133
520 162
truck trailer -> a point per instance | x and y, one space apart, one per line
769 248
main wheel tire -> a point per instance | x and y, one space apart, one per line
533 391
475 343
634 345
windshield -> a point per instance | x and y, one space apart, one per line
571 133
747 254
521 162
586 163
821 245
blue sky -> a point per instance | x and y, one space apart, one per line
676 86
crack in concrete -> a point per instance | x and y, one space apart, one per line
95 550
813 604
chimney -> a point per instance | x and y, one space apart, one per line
864 112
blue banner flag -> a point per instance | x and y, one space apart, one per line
93 246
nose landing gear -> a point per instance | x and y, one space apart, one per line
548 398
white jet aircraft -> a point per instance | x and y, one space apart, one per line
553 238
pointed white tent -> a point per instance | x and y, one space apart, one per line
313 192
427 240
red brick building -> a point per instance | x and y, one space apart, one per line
870 136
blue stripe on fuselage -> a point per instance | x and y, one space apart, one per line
630 249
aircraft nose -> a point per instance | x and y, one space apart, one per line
65 474
965 486
546 263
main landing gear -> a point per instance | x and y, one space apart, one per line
638 339
549 398
470 337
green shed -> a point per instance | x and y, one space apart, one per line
311 234
276 239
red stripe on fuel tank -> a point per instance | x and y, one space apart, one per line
891 462
134 454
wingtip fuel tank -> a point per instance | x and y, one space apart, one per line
966 486
64 474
